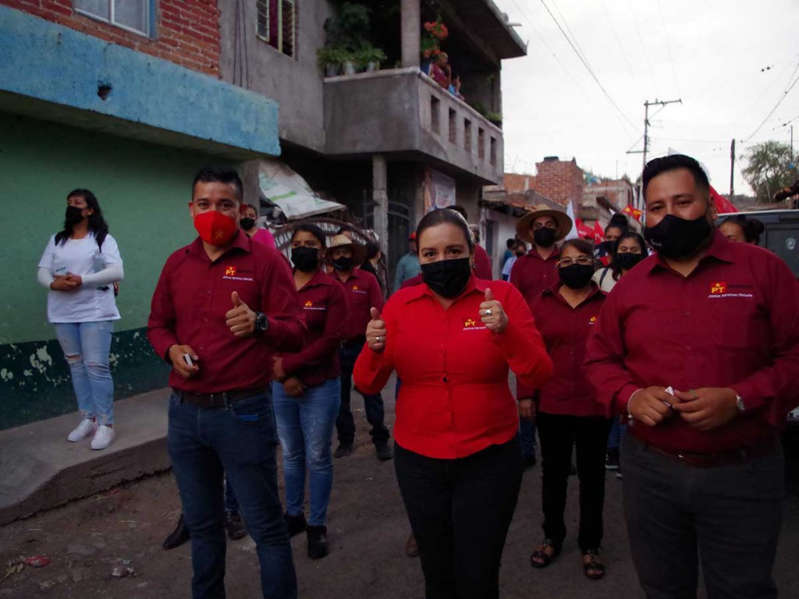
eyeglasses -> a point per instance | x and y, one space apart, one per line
582 261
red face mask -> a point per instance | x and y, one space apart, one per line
214 227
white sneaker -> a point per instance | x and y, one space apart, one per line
83 430
103 437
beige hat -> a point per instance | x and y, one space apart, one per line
341 240
562 221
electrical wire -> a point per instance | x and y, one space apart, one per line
777 105
588 67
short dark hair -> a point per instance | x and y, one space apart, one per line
219 174
372 249
460 210
752 228
581 245
441 216
657 166
311 228
619 221
510 243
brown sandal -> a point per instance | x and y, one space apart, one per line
593 567
544 555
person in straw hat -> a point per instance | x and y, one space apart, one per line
534 272
363 293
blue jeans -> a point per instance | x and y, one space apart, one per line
617 432
305 427
238 440
86 346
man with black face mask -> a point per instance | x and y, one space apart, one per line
532 274
699 346
363 293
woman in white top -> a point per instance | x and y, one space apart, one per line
80 266
628 250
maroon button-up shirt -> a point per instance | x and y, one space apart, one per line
189 306
733 322
565 331
363 293
324 302
531 274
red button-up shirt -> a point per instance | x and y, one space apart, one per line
454 400
324 302
189 306
363 293
531 274
733 322
565 331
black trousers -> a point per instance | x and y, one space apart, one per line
728 515
558 434
460 511
373 404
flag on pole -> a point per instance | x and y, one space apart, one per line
573 233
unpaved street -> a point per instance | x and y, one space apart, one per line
124 528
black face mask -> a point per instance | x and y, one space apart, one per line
544 237
576 276
304 258
627 260
605 248
247 223
344 263
73 216
447 278
677 238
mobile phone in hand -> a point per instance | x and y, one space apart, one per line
187 359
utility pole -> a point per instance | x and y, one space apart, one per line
732 168
647 104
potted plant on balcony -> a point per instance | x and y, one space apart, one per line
368 58
434 33
495 118
330 59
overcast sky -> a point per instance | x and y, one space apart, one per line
730 61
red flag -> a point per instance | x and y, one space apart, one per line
637 214
583 230
628 210
599 233
722 204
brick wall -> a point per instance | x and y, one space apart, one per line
186 31
560 181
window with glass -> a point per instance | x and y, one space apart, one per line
128 14
276 24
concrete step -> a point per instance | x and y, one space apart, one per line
40 469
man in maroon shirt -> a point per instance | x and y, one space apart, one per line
223 305
699 345
532 274
363 294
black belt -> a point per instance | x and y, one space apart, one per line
739 455
221 399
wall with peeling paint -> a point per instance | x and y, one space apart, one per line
143 190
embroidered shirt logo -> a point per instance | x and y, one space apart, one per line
592 320
230 271
718 288
308 304
232 274
470 324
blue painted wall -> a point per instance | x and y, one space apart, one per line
42 60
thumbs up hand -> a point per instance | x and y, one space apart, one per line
376 332
492 313
240 319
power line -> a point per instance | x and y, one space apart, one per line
668 46
588 67
777 105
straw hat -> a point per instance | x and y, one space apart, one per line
341 240
563 223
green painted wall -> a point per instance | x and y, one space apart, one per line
143 190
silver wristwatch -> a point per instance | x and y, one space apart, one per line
739 403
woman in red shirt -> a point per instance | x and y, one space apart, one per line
567 411
457 457
306 390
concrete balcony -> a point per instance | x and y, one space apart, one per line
404 113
